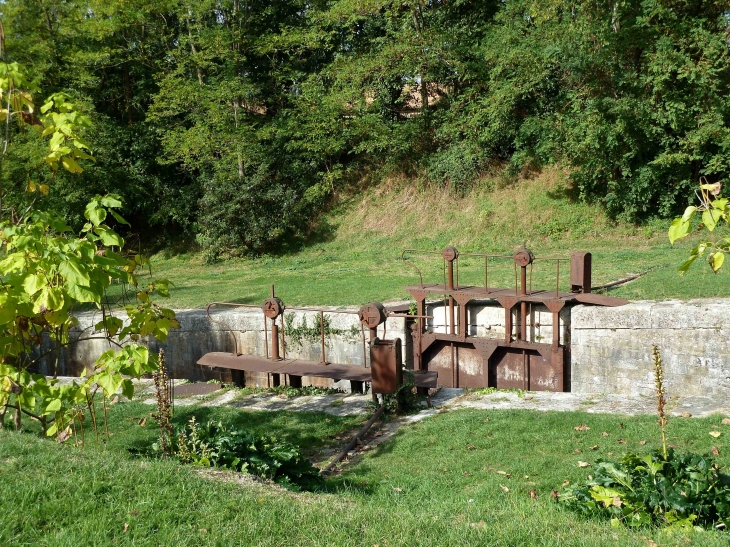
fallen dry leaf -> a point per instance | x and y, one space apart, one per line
610 454
726 421
594 447
508 475
642 443
143 421
114 401
578 451
686 415
581 427
715 434
504 488
604 434
650 543
554 494
583 464
479 524
126 527
397 490
486 420
566 483
134 512
617 501
714 451
533 494
466 474
622 441
203 531
471 447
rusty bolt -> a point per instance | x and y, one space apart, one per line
273 308
450 254
524 257
373 314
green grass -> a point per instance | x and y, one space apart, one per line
435 483
354 253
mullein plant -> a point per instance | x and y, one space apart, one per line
660 392
163 416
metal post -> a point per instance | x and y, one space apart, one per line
321 327
452 329
523 304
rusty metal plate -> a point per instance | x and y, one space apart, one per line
386 362
273 307
469 370
196 388
599 299
514 368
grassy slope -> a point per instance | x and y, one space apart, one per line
358 257
435 483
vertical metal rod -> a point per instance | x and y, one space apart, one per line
515 267
557 278
523 304
364 350
283 337
321 326
457 273
453 367
274 341
452 327
556 330
266 337
486 274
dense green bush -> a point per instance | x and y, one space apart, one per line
238 121
671 490
215 445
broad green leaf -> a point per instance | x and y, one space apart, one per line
109 237
74 271
70 165
54 405
720 204
34 283
688 212
56 140
8 310
81 293
128 388
120 219
716 260
50 299
680 228
46 107
710 218
686 265
109 382
94 213
111 201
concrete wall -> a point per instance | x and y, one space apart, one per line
198 335
611 348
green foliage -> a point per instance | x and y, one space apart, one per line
46 273
678 491
238 122
297 335
291 392
713 209
215 445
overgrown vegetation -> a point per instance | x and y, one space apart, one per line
661 488
236 122
377 501
216 445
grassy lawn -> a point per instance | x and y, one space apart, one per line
353 255
434 483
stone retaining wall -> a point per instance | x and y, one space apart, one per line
610 347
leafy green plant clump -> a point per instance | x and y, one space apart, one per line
673 490
215 445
